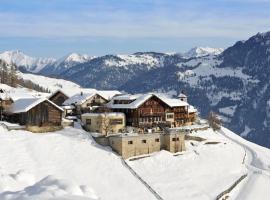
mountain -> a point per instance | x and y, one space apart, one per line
25 62
64 63
112 71
202 51
233 83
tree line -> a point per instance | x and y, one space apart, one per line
9 76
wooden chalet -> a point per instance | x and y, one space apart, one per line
58 97
35 112
85 102
148 110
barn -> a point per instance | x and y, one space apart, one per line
58 97
35 112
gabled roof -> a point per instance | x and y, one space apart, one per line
139 99
79 98
24 105
108 94
52 94
182 95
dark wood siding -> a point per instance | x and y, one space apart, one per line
44 114
58 98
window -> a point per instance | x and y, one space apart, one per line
143 141
116 121
130 142
88 121
175 139
157 140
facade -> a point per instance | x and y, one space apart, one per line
150 110
139 144
85 102
104 123
35 112
58 97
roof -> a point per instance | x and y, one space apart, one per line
108 94
191 109
79 98
24 105
139 99
182 95
52 94
110 114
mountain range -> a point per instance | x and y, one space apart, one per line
233 82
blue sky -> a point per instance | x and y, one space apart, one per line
53 28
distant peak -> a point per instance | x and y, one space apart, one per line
202 51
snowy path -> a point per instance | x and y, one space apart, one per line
258 182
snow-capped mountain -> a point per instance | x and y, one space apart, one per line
65 63
234 83
202 51
28 63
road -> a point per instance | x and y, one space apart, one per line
257 185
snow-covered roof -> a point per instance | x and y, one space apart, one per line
24 105
171 101
182 95
139 99
108 94
79 98
110 114
56 92
191 109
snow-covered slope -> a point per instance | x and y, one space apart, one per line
206 170
52 84
66 165
202 51
21 60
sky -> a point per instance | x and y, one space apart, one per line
53 28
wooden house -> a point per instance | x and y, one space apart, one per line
35 112
85 102
149 110
58 97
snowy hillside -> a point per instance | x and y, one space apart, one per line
52 84
68 164
21 60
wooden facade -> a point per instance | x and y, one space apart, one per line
43 114
58 98
91 104
154 112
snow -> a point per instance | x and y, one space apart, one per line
142 59
20 59
228 110
258 164
79 98
202 172
52 84
202 51
66 165
115 114
139 99
24 105
71 59
18 93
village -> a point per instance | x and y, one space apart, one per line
131 124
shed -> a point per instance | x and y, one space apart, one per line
35 112
58 97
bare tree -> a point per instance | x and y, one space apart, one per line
105 124
214 121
